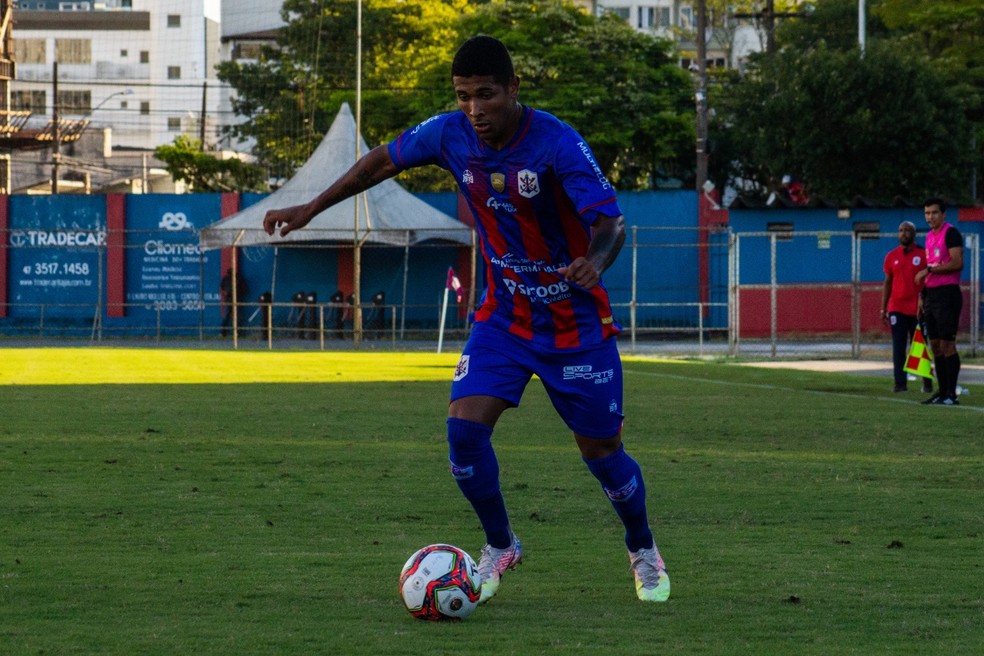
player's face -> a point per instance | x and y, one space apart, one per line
906 234
934 216
492 109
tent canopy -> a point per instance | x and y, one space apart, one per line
388 214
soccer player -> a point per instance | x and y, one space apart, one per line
549 226
941 300
900 299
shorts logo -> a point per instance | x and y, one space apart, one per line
587 372
461 370
623 493
461 473
529 183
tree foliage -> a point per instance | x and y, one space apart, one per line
187 162
619 88
889 122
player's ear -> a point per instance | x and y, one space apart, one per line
513 88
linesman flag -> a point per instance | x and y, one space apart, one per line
455 285
920 360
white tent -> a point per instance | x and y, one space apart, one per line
388 214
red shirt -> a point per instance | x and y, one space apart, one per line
903 267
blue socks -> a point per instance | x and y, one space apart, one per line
621 479
476 470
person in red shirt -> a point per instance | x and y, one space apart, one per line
900 299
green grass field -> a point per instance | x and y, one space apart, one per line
152 504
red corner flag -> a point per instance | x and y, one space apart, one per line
454 284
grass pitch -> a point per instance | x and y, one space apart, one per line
168 502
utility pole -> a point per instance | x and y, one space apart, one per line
701 94
56 132
201 120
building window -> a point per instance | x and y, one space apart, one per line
145 108
622 12
144 56
32 101
173 20
662 16
73 51
174 72
246 51
124 53
74 102
30 51
174 124
686 18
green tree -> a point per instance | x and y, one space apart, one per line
292 93
621 89
882 125
187 162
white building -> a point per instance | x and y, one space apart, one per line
142 68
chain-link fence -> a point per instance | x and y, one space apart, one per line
676 291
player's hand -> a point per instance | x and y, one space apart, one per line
291 218
581 272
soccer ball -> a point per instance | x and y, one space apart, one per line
440 582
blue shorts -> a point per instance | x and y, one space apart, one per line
584 385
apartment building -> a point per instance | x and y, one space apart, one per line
140 72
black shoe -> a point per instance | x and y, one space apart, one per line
927 387
933 400
900 388
949 400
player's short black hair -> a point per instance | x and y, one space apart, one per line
483 55
935 201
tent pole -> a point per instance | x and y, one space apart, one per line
356 246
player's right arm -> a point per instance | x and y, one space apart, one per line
369 171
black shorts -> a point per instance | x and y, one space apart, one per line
941 311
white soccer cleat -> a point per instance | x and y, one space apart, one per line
494 562
651 580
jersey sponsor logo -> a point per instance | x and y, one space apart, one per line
623 493
498 181
529 183
523 264
420 125
558 291
587 372
602 180
467 177
500 205
461 370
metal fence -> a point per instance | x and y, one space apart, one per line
676 291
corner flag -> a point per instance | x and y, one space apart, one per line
455 285
920 360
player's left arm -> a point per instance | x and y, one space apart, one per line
607 237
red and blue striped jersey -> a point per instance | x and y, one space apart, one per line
534 202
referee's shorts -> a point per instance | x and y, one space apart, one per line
941 311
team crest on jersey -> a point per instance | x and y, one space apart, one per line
461 370
499 181
529 183
916 260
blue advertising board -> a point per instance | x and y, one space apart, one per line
54 266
